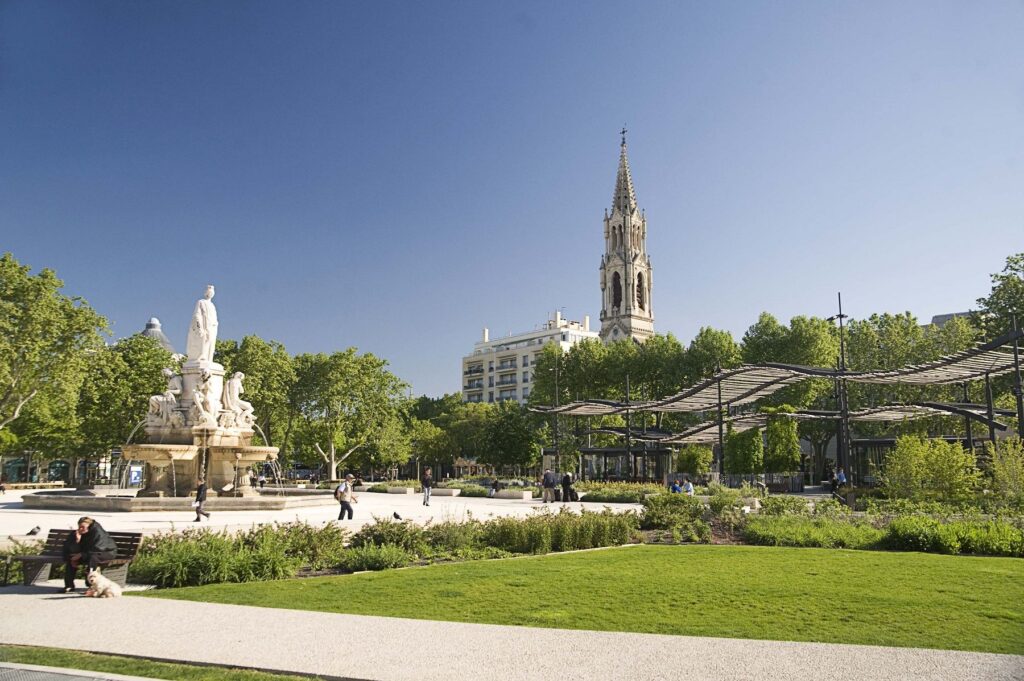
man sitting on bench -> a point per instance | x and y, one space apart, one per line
89 545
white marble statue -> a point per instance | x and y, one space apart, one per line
202 413
163 408
238 412
202 332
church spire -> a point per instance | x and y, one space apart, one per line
624 199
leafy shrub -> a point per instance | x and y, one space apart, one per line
802 531
614 496
373 557
18 548
919 468
544 531
830 508
378 488
405 534
784 505
452 536
666 511
921 533
721 498
315 547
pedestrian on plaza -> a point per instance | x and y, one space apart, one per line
841 478
427 481
262 480
548 485
687 487
343 495
200 500
567 488
675 488
833 481
88 545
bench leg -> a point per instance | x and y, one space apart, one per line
35 573
118 575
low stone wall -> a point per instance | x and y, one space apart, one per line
513 494
445 492
401 490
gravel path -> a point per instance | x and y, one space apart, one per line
381 648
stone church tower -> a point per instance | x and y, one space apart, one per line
625 268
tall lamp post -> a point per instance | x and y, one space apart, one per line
843 444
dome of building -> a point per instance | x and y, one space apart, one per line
153 330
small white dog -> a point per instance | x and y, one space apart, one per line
100 586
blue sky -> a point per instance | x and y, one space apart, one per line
396 176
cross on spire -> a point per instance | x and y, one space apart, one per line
623 133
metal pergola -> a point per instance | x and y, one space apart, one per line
745 384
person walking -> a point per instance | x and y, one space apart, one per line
343 494
548 485
200 500
567 488
493 491
88 545
427 481
841 479
262 480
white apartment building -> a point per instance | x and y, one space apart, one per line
502 369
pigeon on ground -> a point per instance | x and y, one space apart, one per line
35 530
396 516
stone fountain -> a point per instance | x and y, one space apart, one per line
200 426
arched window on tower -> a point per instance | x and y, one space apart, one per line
616 291
640 291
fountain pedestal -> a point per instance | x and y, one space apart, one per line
170 469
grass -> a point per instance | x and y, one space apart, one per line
829 595
133 666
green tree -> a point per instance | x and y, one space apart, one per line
1006 468
512 438
744 452
114 397
45 338
1004 300
348 402
431 444
709 350
782 452
269 375
694 459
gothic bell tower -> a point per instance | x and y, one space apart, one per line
625 268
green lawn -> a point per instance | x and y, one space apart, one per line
131 666
868 597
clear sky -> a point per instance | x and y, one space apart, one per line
396 176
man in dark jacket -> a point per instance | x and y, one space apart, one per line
200 500
427 482
88 545
567 488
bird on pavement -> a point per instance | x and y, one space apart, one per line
396 516
35 530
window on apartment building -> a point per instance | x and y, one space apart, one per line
526 377
526 393
526 360
490 396
490 381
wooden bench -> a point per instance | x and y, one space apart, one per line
37 568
